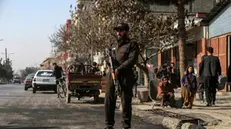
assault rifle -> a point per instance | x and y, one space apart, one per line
112 70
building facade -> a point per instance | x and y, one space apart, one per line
84 4
219 33
197 37
202 6
47 63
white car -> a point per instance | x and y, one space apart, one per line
44 80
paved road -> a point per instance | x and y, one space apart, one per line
22 109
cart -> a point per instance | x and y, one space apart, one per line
81 82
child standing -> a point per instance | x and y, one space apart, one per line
189 87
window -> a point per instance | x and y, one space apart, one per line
45 74
30 76
17 78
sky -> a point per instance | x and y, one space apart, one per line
25 26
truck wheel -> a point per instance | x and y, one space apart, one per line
68 97
34 90
25 88
55 90
96 97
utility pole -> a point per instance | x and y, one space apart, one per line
6 54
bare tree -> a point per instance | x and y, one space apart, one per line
181 26
58 38
92 30
149 29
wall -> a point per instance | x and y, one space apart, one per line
172 55
47 64
201 50
196 6
195 34
221 24
220 49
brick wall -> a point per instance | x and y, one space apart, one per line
201 50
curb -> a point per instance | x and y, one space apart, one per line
146 116
220 93
167 122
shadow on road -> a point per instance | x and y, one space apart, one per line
215 108
82 117
47 92
50 116
42 92
16 127
100 101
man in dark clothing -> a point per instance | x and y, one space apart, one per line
125 58
57 71
175 79
135 78
210 69
94 68
201 88
229 79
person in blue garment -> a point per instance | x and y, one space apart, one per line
189 87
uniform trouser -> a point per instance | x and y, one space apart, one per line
210 84
126 82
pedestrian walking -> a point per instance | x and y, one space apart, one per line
228 86
201 88
175 74
126 56
189 87
94 68
210 69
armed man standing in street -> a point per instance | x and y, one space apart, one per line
126 56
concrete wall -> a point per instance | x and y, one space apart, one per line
195 34
221 24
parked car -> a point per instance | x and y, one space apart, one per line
44 80
28 81
17 80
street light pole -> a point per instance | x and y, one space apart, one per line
7 54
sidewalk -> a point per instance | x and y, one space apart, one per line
216 117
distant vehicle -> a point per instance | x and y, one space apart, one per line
44 80
17 80
28 81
